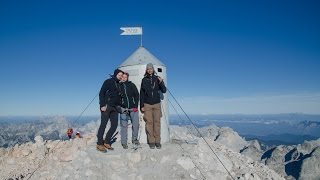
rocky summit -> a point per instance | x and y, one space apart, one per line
187 156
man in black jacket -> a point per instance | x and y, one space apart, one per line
150 105
109 99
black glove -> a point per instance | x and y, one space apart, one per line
119 109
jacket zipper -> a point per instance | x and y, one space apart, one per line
134 102
125 90
152 87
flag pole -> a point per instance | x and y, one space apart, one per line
141 38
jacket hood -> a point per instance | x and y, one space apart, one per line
116 71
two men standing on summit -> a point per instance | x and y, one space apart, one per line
119 95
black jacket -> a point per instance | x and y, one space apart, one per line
110 92
129 95
149 92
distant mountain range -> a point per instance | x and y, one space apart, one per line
280 139
18 130
270 130
259 125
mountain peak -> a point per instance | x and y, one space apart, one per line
79 159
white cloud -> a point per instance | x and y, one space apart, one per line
259 104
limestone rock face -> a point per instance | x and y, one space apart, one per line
292 162
310 168
295 162
253 150
224 136
231 139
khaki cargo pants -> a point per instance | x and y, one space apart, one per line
152 117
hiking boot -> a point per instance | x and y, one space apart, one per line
136 142
108 146
158 145
101 148
152 145
125 146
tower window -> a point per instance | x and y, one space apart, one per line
159 69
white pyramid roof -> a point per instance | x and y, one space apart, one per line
141 57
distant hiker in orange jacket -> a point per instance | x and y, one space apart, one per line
69 133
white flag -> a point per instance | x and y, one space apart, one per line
131 30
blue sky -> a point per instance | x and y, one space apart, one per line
224 56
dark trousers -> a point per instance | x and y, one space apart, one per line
111 114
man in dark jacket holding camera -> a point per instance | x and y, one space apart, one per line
150 105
